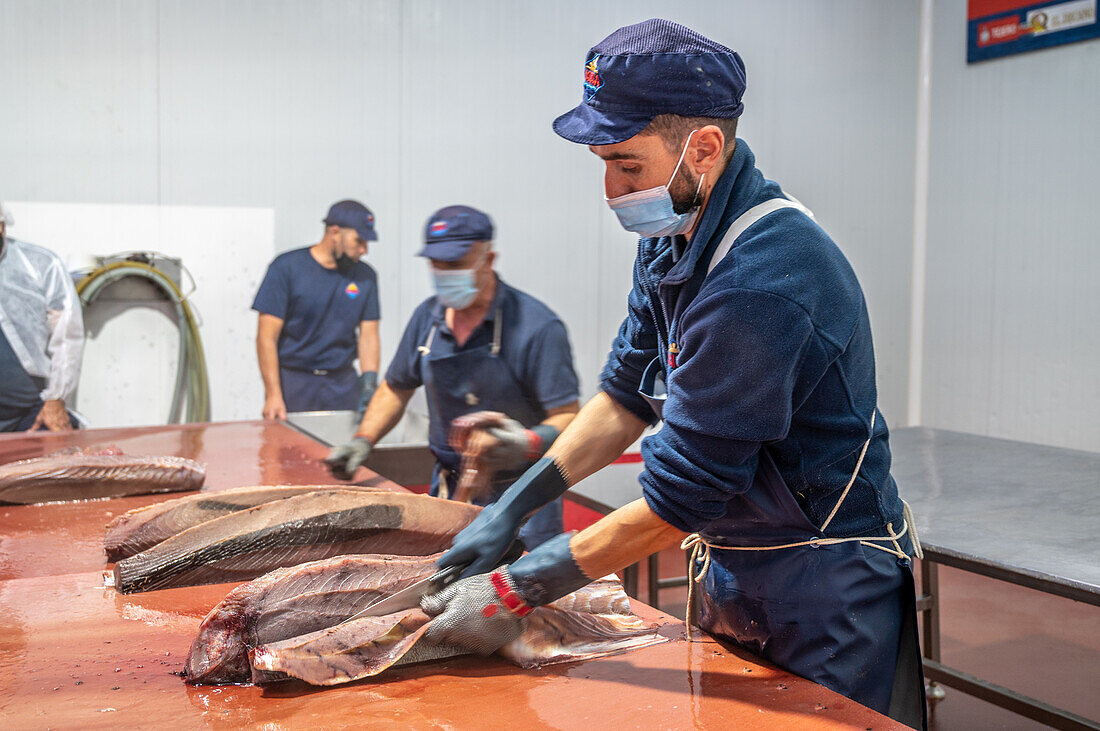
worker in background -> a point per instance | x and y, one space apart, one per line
747 332
478 346
318 311
41 336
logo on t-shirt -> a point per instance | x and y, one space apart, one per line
352 290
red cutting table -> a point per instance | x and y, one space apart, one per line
74 654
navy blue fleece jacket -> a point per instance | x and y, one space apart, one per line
773 352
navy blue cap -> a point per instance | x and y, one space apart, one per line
650 68
352 214
451 231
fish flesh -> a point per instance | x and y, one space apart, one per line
96 472
569 630
142 528
298 616
314 525
294 601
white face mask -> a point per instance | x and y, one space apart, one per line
651 212
456 288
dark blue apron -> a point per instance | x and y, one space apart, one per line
320 390
19 397
840 614
478 379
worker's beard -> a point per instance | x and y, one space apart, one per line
684 192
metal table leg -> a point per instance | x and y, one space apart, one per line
930 590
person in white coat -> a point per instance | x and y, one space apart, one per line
41 335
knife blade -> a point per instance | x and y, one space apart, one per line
411 595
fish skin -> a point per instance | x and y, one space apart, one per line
357 649
594 621
293 601
83 476
587 624
142 528
294 623
246 544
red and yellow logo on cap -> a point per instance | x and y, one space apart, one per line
592 80
352 290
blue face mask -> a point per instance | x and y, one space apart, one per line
651 212
455 288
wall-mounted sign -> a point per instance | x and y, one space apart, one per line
1004 27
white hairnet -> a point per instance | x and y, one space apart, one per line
5 215
41 316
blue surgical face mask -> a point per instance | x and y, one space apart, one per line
651 212
456 288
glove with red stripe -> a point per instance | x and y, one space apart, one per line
484 612
480 613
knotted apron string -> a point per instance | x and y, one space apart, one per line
700 548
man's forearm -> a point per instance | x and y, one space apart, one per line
621 539
370 347
386 409
595 437
267 354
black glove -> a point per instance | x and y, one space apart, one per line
482 543
368 384
342 461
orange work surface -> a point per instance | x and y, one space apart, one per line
74 654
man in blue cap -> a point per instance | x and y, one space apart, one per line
493 358
747 333
318 312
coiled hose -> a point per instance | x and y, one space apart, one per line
192 381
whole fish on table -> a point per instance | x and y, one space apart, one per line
307 527
95 472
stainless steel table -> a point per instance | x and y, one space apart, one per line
1019 512
402 455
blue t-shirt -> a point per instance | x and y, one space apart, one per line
320 308
534 344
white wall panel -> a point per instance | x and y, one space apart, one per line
289 105
132 348
1011 343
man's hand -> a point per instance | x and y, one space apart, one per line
342 461
53 417
481 613
482 543
274 408
493 439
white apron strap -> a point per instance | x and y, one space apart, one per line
748 218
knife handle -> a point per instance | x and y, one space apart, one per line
445 577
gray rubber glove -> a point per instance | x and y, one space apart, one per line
342 461
481 613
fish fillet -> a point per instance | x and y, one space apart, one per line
294 620
587 624
293 601
307 527
93 474
143 528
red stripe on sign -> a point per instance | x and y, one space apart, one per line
998 31
984 8
629 458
